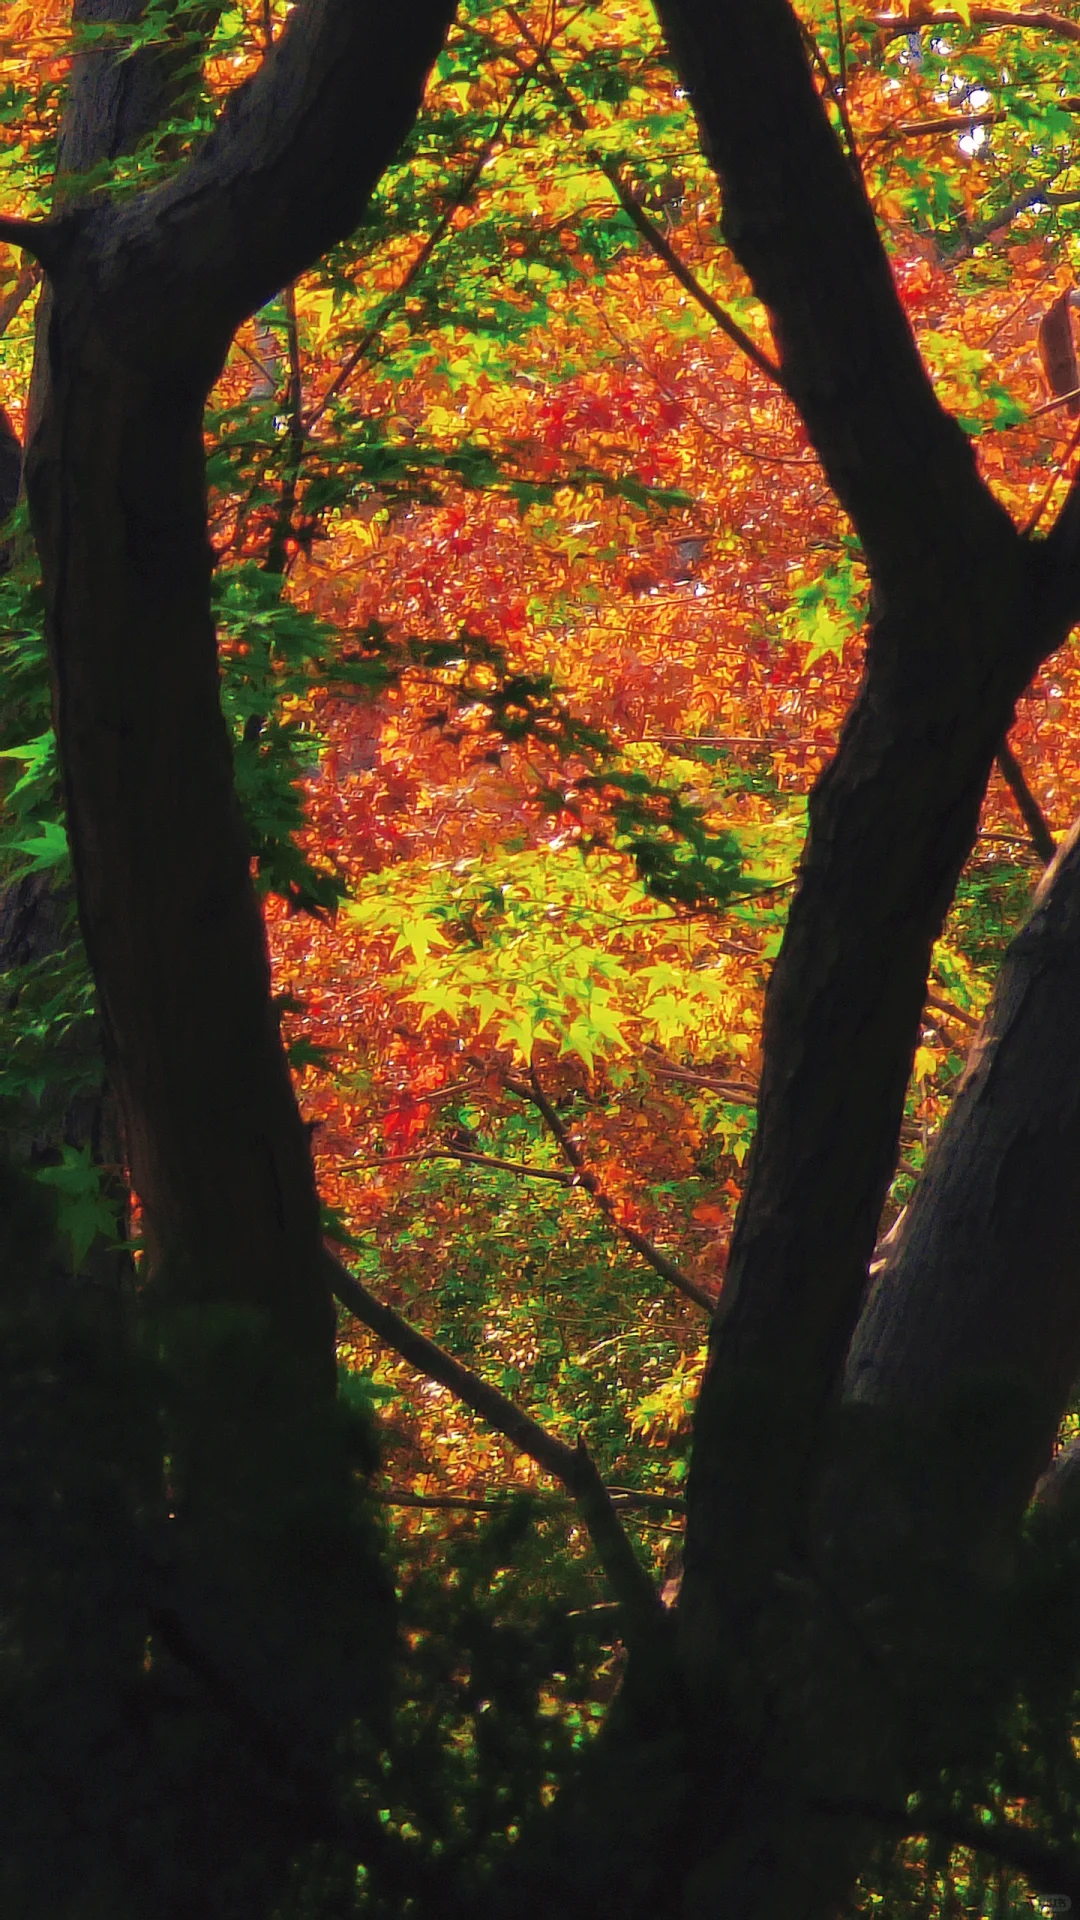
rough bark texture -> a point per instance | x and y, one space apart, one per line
788 1705
977 1298
144 299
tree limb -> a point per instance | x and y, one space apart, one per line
43 240
20 292
668 1270
286 171
801 225
573 1466
1030 811
652 235
1050 1869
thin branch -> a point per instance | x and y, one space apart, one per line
834 93
954 1012
1039 195
282 527
643 1612
958 123
841 42
491 1503
1032 814
459 198
636 214
1048 1868
20 292
668 1270
719 1083
895 24
474 1160
1047 493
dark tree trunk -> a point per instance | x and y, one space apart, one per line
783 1711
144 298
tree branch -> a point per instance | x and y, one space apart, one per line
1049 1868
475 1160
891 819
285 173
897 24
1030 811
625 1497
643 1611
20 292
668 1270
635 213
802 227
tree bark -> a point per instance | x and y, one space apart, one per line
145 296
786 1703
974 1310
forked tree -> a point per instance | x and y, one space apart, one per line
871 1429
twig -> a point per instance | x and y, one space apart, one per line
668 1270
959 123
491 1503
955 1013
1047 493
21 291
474 1160
1041 195
461 195
643 1612
282 526
841 42
649 232
895 24
834 93
1032 814
738 1089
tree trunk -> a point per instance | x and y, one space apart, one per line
816 1670
145 297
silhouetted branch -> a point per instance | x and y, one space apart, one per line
649 232
1049 1868
895 24
1032 814
668 1270
573 1466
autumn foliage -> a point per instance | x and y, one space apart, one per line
538 621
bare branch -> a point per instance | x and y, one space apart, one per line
668 1270
897 24
43 240
955 1013
649 231
643 1612
20 293
1032 814
1049 1868
801 226
947 123
475 1160
624 1497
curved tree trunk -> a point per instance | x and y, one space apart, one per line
144 298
